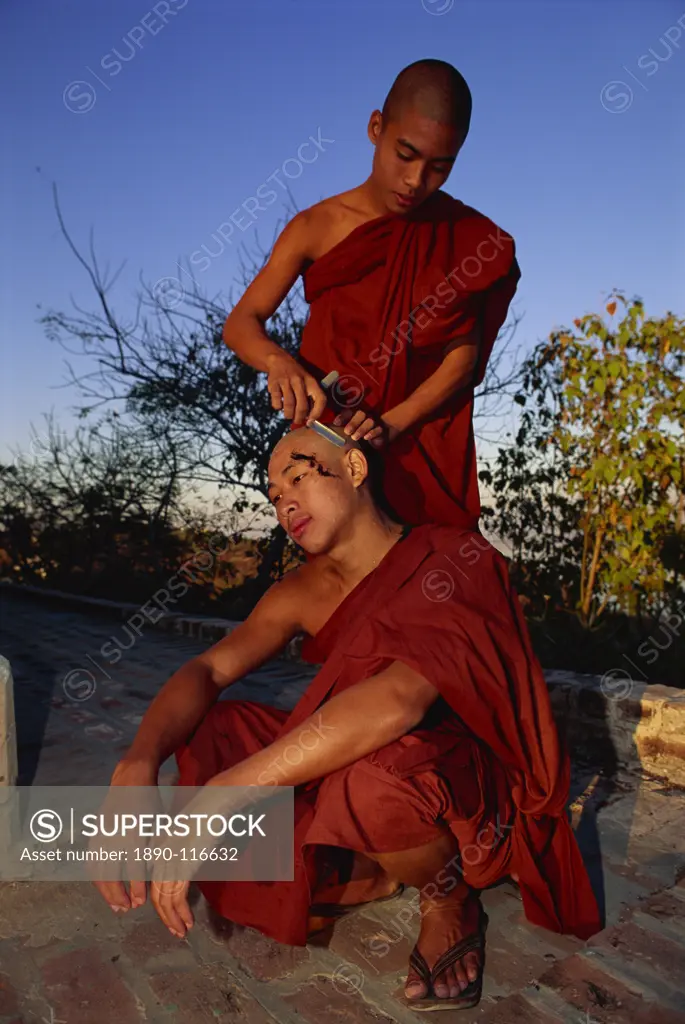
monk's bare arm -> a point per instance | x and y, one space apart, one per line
244 331
454 373
290 387
187 696
351 725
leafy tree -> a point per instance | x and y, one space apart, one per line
592 492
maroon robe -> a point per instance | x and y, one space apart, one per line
384 303
486 760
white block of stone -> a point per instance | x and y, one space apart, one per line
8 730
9 816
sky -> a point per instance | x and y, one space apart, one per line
157 121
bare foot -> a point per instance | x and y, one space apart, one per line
368 882
446 921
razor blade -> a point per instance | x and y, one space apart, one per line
328 433
321 428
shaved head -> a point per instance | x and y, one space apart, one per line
299 434
318 488
435 90
305 445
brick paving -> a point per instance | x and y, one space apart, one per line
64 957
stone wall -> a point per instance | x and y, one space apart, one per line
614 720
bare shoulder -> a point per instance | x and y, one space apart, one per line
296 233
312 232
317 589
288 599
292 586
332 219
304 233
281 601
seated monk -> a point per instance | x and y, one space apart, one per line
437 764
407 290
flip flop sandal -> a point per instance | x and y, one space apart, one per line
468 997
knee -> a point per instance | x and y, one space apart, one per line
373 794
361 778
207 751
226 718
216 722
230 731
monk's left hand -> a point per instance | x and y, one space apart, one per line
170 900
361 426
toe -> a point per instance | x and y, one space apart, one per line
443 984
472 965
461 976
452 983
415 988
441 989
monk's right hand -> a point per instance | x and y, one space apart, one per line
127 773
294 391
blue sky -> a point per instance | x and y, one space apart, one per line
576 146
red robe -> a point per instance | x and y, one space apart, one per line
486 760
384 303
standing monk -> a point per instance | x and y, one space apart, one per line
408 289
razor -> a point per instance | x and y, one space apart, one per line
320 428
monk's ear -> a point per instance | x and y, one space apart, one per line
357 466
375 127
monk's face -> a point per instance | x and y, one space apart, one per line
314 488
414 156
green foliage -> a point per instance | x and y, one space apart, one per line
592 493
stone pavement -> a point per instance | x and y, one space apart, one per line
64 957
